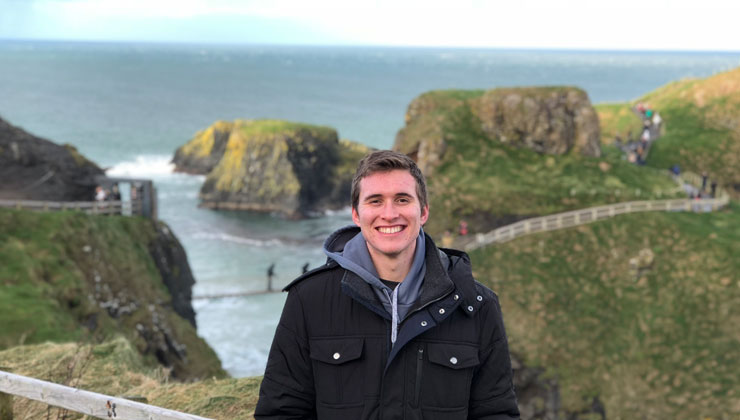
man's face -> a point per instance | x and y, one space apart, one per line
389 213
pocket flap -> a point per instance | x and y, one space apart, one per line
336 351
453 356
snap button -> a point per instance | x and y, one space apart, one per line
470 309
456 297
453 360
480 298
441 311
336 356
423 323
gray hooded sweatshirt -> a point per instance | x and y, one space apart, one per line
355 257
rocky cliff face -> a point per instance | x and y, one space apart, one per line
270 166
172 263
547 120
33 168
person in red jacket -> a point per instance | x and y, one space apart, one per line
391 327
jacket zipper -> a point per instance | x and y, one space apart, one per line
419 365
444 295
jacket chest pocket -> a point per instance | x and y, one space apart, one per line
338 370
444 377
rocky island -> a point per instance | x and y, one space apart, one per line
273 166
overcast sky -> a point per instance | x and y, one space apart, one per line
706 25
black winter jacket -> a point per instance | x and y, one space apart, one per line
332 358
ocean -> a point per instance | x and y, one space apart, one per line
128 106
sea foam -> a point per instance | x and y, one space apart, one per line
144 166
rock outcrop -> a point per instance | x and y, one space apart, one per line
33 168
271 166
551 120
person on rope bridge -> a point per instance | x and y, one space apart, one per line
391 326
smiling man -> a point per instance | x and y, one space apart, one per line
391 327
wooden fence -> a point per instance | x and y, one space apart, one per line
80 401
592 214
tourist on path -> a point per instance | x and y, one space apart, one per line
270 275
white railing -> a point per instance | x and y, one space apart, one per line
126 208
85 402
592 214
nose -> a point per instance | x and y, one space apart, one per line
389 211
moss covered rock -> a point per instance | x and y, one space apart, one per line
551 120
271 166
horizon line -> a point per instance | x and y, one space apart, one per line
341 45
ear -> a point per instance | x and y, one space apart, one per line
355 216
424 214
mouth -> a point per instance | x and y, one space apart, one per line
390 229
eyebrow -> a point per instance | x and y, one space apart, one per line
374 196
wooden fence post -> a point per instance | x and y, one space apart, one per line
6 403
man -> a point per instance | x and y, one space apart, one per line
390 327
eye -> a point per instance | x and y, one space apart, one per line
403 200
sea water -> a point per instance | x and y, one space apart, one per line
129 106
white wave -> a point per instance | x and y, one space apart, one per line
237 239
148 166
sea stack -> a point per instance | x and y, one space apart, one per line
273 166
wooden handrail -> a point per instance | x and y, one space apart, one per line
86 402
584 216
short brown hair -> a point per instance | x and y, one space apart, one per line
385 161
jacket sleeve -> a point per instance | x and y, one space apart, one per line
492 394
287 390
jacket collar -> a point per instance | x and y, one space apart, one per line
447 271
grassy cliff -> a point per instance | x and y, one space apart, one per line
640 311
701 126
70 277
489 183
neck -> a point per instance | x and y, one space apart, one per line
393 268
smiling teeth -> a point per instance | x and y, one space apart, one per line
394 229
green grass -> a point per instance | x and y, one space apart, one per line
618 119
57 268
657 343
696 144
273 127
